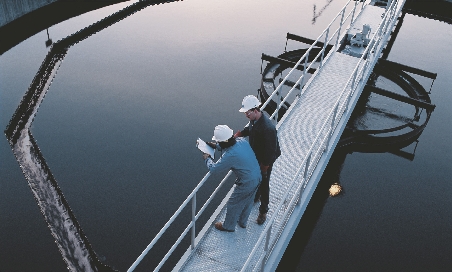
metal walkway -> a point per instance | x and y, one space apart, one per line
217 251
308 133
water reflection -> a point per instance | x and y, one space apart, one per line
64 227
73 245
330 186
318 14
49 40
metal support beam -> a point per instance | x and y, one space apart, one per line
285 62
408 68
306 40
400 98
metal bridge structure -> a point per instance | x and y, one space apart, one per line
345 54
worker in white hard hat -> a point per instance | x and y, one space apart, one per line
263 139
238 157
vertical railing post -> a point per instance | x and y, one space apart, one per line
324 47
392 13
388 4
367 63
193 219
301 187
299 196
333 120
393 16
334 117
353 80
353 13
361 75
305 173
340 27
305 70
306 167
267 243
349 96
384 25
278 103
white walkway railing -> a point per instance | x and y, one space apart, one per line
335 31
323 140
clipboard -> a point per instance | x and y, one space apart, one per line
205 148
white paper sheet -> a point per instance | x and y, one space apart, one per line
201 145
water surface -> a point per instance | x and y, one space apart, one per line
118 125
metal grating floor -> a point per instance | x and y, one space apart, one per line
223 251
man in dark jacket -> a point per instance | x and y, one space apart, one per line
264 142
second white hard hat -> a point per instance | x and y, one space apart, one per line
222 133
249 102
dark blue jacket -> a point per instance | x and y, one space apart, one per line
263 140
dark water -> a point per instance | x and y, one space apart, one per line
118 125
395 214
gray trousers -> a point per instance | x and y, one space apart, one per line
239 206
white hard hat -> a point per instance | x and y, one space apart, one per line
249 102
222 133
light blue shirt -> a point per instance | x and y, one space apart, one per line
241 160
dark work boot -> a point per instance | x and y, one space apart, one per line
261 218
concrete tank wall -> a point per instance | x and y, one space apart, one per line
13 9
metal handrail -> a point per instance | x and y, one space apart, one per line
189 198
306 163
361 70
192 223
306 56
